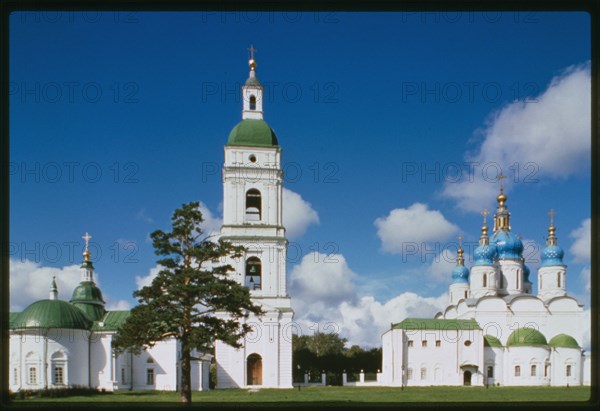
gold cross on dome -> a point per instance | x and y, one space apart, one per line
501 177
252 50
551 213
87 239
485 213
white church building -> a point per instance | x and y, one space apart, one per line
59 344
494 330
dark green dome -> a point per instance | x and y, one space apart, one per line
526 337
491 341
87 292
52 314
563 341
88 298
252 132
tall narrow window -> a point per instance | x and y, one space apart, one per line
253 205
484 280
465 294
409 374
423 373
568 371
150 376
517 277
533 370
490 372
546 370
32 376
58 375
16 376
253 278
252 102
558 279
517 370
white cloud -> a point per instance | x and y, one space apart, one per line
412 226
144 281
326 299
30 282
440 268
324 278
581 247
585 278
211 224
547 137
120 305
298 214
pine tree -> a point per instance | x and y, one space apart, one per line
184 297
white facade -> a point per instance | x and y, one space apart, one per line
252 217
518 338
55 344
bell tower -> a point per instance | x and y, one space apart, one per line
253 218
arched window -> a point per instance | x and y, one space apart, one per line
490 372
423 373
517 276
253 205
546 370
253 273
484 280
568 371
517 370
59 368
465 294
558 279
533 370
252 102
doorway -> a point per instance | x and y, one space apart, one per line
467 378
254 369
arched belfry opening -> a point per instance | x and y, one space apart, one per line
254 369
252 102
253 205
253 273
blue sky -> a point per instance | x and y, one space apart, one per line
116 119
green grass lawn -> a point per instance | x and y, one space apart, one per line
344 395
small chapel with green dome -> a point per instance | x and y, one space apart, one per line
59 344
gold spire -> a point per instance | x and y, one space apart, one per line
484 239
251 61
86 252
501 197
53 289
501 218
460 259
551 240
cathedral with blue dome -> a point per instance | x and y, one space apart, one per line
495 330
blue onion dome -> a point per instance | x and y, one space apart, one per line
508 245
460 274
552 254
485 253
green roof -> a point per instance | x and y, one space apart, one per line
491 341
563 341
51 314
112 321
436 324
254 133
526 337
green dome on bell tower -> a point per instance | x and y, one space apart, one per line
87 296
